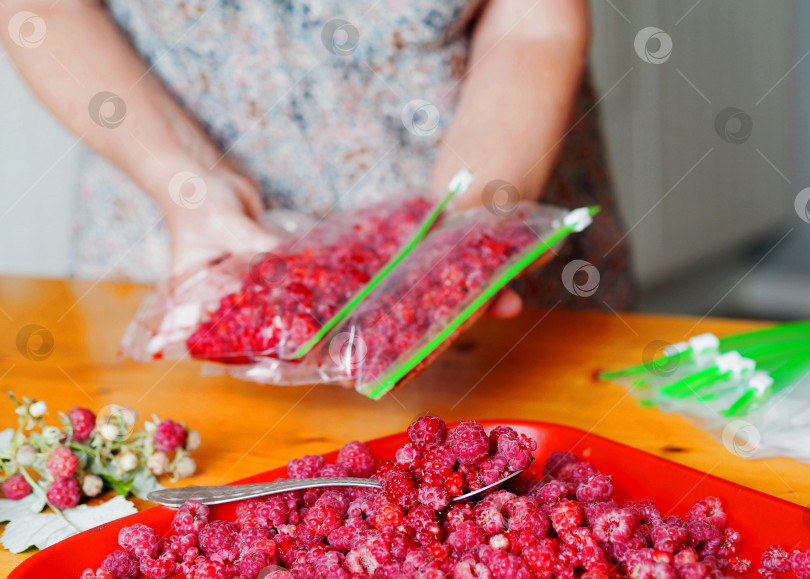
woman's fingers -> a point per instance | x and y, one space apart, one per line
506 305
248 194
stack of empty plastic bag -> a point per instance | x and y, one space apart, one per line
750 390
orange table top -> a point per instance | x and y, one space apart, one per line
539 366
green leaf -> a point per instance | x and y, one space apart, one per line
144 483
122 487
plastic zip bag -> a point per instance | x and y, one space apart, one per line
440 289
749 390
249 306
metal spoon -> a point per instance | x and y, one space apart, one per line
215 495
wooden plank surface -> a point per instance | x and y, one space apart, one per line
540 366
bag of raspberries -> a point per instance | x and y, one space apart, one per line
249 306
365 298
442 287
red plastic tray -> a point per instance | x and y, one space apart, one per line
761 519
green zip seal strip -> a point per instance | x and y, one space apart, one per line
791 372
381 275
542 246
787 332
759 352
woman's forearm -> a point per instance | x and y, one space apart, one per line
84 54
523 74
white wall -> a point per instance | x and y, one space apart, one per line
658 126
660 123
37 176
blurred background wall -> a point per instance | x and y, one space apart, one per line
702 103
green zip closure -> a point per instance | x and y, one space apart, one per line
381 275
541 247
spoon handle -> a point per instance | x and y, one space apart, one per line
214 495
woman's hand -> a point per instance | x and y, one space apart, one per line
209 207
220 222
523 74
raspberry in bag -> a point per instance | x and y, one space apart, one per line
289 294
248 306
440 289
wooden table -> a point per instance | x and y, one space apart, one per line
539 366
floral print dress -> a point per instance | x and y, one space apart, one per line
326 105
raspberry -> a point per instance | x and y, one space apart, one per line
775 558
492 470
399 487
469 442
800 564
344 537
190 518
524 515
63 493
408 457
515 450
581 472
305 467
356 457
208 569
645 511
466 536
169 435
565 515
62 463
388 513
274 510
423 518
740 565
550 492
156 568
293 292
614 526
540 557
696 570
322 520
121 564
457 514
506 566
16 487
453 484
246 514
599 488
139 540
685 556
433 496
427 432
218 540
705 537
557 462
253 562
248 537
334 471
652 570
731 540
496 433
335 499
97 574
83 422
668 537
438 462
710 510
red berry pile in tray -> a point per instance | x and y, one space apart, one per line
450 266
288 296
564 525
